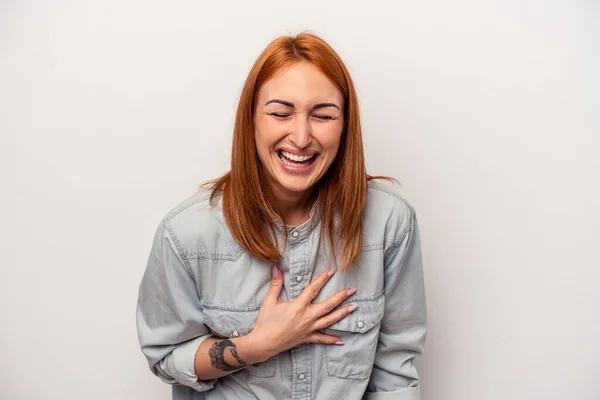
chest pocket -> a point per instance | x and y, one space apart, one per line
359 331
230 323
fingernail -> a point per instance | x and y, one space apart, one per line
352 308
275 272
351 292
331 272
339 343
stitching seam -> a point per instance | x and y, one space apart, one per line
186 263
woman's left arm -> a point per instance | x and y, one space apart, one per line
403 328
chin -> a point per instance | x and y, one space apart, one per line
296 186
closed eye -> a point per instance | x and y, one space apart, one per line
280 115
323 117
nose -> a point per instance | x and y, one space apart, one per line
301 134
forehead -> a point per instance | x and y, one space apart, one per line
302 83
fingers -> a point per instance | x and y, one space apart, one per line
274 292
327 306
321 338
312 290
333 317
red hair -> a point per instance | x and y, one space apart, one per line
248 205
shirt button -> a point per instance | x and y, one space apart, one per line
295 234
298 278
301 376
235 334
360 324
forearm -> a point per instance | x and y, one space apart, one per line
216 358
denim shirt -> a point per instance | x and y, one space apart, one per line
200 283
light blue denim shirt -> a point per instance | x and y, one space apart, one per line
200 283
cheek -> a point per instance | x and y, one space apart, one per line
267 133
331 141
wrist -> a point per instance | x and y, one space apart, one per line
254 349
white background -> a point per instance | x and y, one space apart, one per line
111 112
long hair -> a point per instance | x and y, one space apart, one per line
248 205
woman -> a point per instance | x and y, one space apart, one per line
295 275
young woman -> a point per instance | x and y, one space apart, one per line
296 275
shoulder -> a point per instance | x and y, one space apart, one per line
197 207
387 209
198 228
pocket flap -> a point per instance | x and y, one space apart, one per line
368 315
229 322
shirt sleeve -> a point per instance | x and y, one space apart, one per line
403 328
169 317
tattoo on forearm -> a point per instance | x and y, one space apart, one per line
217 356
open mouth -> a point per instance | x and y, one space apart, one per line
296 161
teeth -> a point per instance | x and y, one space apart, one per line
291 164
295 157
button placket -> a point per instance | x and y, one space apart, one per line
301 359
301 354
298 268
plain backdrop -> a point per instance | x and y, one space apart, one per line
111 112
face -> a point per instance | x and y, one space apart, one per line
298 126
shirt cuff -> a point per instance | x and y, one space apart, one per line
180 365
410 393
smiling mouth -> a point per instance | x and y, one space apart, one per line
296 161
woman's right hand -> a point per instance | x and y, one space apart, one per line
282 325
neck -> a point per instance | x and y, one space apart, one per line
294 206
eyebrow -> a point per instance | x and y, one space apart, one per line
288 104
